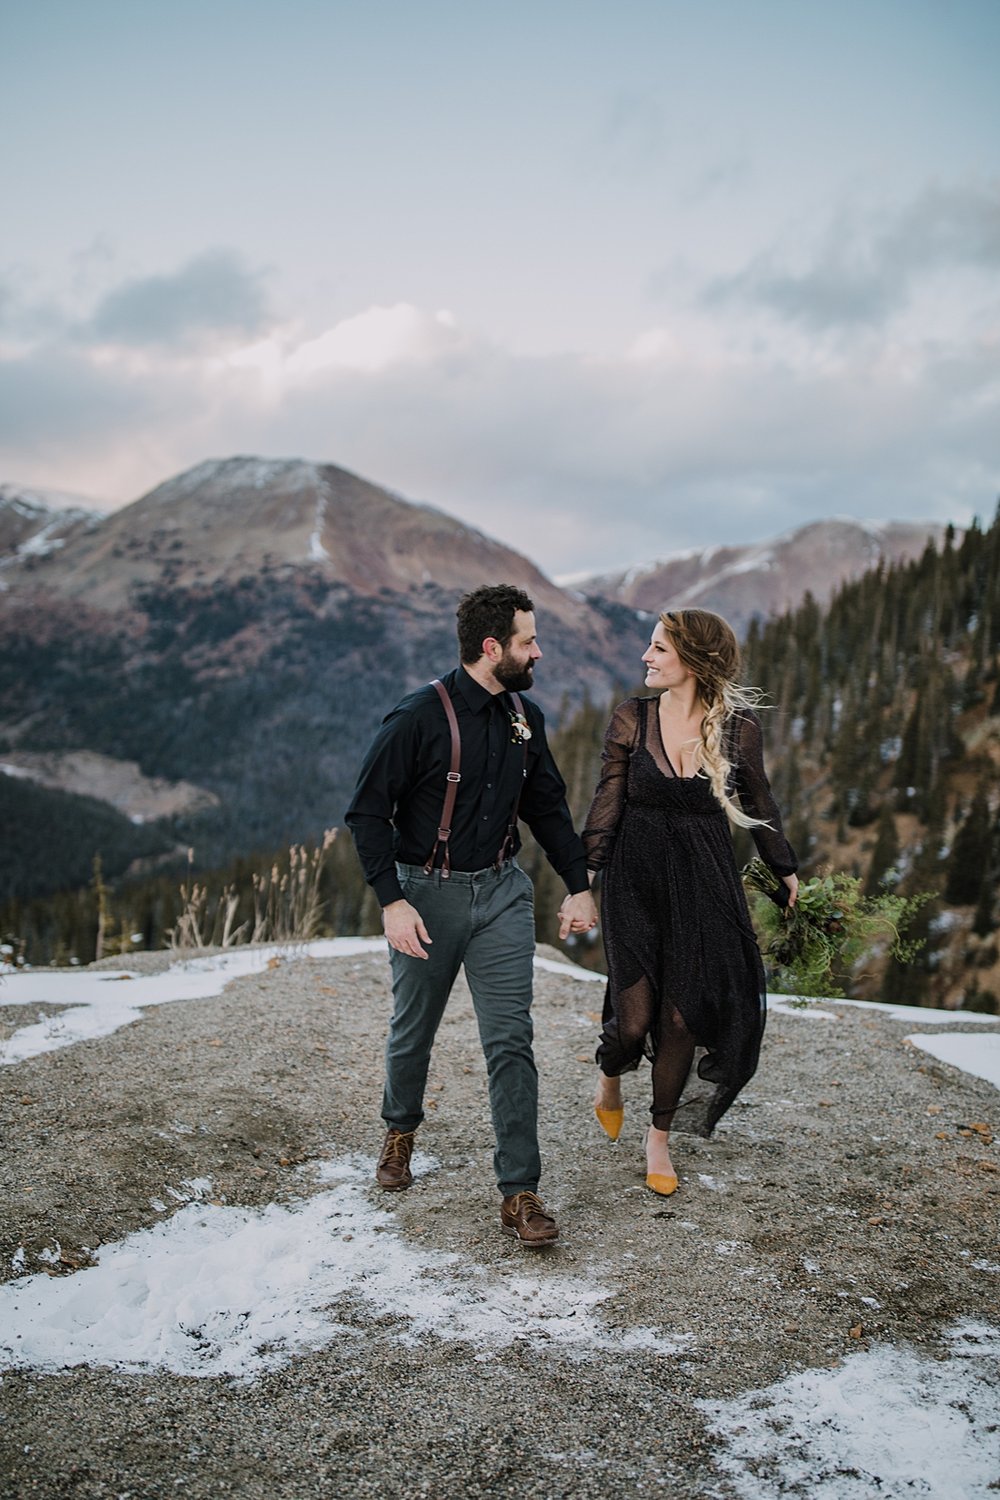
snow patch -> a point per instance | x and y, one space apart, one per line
791 1005
925 1014
317 552
230 1291
978 1055
102 1001
572 970
888 1422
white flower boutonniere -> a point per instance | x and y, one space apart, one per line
520 731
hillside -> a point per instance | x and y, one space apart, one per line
229 519
240 631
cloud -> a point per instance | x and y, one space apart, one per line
722 177
680 439
867 268
57 396
24 320
631 137
375 340
214 294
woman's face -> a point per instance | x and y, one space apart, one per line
664 668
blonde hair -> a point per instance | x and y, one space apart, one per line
707 646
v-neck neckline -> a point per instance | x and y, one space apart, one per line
659 730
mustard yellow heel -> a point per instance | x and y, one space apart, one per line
611 1121
659 1182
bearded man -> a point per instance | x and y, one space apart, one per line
445 873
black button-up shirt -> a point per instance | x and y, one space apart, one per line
398 801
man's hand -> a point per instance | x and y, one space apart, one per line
404 928
577 914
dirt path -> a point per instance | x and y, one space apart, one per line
846 1204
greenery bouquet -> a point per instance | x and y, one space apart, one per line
829 931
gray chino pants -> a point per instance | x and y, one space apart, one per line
484 920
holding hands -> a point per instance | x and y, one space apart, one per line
577 914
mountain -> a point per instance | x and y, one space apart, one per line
36 523
767 577
210 661
236 635
228 519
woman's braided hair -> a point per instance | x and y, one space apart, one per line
707 646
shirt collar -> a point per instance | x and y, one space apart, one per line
476 696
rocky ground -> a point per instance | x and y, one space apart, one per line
844 1203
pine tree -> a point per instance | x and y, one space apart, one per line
970 853
885 855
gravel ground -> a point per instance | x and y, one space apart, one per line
842 1174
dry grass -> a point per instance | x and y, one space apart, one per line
286 904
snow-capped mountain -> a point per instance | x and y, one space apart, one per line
766 577
237 517
34 523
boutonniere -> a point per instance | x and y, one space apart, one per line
520 731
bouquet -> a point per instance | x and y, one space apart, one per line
828 931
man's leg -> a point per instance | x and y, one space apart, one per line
498 966
420 988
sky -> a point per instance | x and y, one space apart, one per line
606 282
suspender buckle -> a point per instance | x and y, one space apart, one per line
453 776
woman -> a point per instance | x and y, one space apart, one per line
684 969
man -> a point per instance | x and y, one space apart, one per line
456 895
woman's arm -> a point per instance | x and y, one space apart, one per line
610 795
757 800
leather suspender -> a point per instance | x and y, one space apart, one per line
454 776
451 787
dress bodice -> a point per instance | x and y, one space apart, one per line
637 775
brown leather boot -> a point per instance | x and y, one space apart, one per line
524 1216
393 1170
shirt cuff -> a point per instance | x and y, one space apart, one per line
387 888
576 877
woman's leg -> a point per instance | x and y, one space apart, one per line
671 1066
623 1040
609 1091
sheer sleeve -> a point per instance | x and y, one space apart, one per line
610 795
754 792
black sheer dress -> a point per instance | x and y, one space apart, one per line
684 969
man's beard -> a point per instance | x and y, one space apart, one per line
512 675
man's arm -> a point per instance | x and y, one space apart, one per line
546 812
384 778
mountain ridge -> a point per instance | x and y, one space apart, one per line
36 522
757 579
225 518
